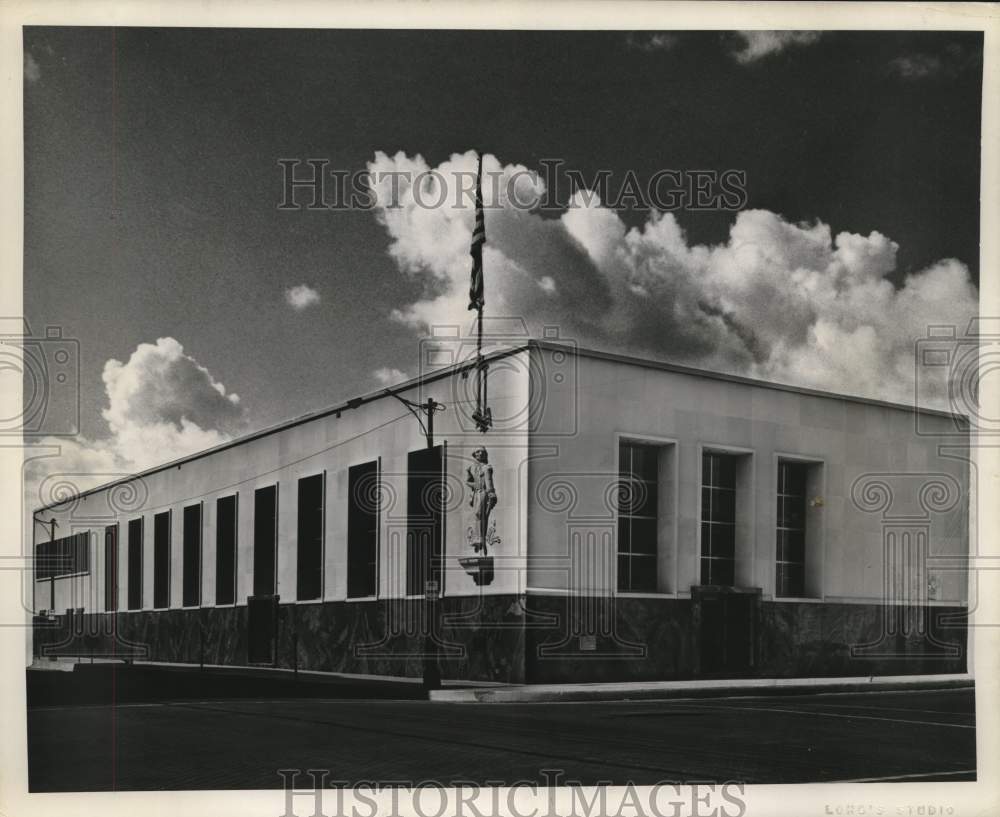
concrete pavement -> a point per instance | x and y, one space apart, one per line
241 744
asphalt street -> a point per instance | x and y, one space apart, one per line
241 744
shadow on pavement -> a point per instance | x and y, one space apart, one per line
90 684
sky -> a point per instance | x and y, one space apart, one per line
153 234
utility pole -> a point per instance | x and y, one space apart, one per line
51 525
432 588
431 407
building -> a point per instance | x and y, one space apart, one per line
650 522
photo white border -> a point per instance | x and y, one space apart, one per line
769 801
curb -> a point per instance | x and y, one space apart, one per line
666 690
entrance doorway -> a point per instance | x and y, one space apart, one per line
726 625
262 626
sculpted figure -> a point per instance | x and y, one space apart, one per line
479 477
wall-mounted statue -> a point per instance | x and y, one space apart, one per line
481 531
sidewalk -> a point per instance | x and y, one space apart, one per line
659 690
106 682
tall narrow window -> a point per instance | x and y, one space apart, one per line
309 583
225 550
44 556
63 557
362 530
80 553
135 564
718 518
425 519
111 568
161 560
791 531
637 517
265 530
192 556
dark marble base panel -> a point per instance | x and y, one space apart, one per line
818 640
533 639
596 639
472 638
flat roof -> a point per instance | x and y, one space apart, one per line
736 378
446 371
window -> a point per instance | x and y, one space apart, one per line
362 529
225 549
265 529
111 568
135 564
425 518
310 554
44 560
637 517
790 554
161 560
67 556
79 553
192 556
718 518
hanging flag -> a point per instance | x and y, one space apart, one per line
476 296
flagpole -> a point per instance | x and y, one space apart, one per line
482 371
479 334
480 403
477 300
477 415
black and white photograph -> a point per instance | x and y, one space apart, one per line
409 413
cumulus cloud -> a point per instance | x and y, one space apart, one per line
162 405
793 303
756 45
162 401
162 384
388 376
301 296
